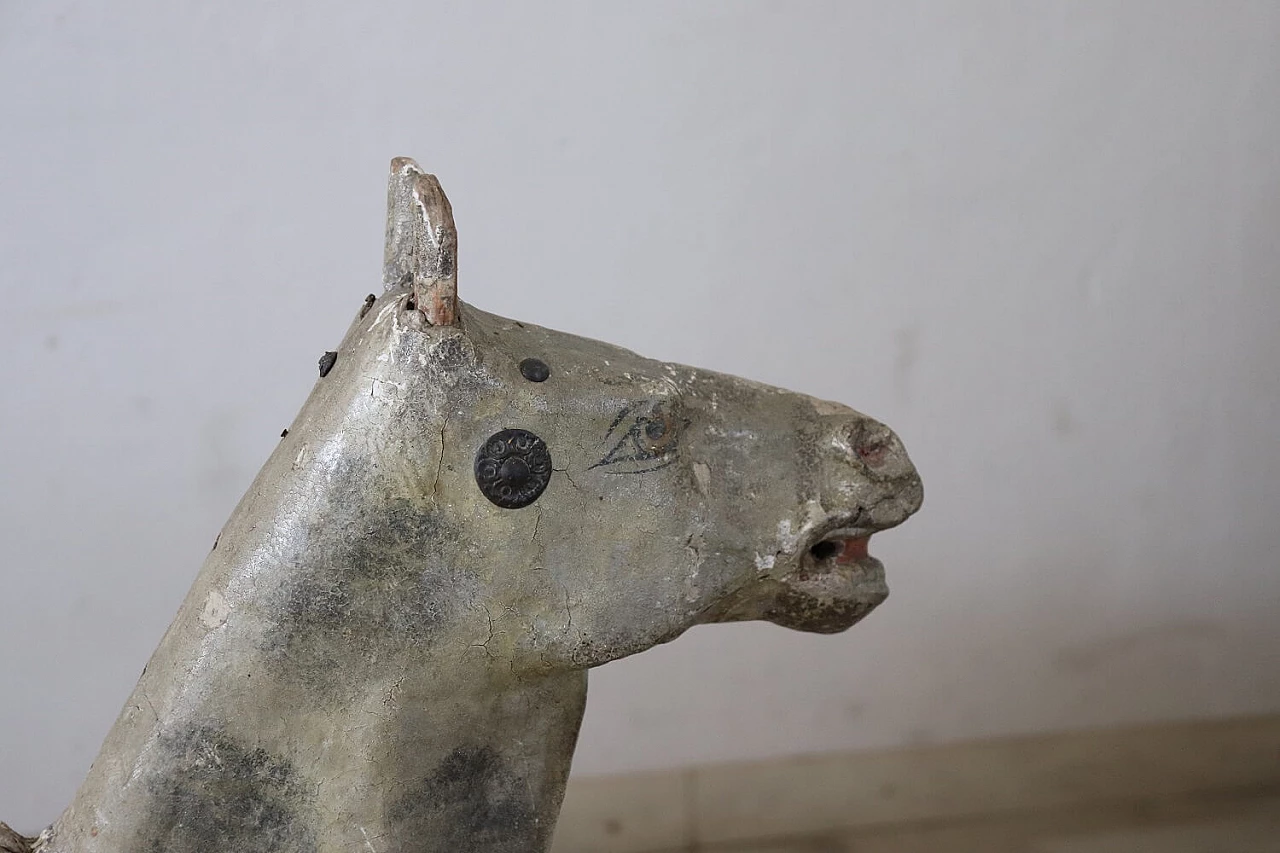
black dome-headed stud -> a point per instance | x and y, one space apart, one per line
535 370
513 467
327 361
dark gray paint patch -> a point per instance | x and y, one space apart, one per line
378 587
220 796
471 801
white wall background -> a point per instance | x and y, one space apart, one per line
1042 240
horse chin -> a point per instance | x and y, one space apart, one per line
829 599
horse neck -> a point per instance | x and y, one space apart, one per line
325 686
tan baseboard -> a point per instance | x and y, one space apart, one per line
645 812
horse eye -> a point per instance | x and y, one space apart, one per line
646 443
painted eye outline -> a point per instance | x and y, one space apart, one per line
642 438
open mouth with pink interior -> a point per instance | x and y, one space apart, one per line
837 583
841 550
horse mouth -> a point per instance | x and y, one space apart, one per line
841 549
834 584
837 583
839 567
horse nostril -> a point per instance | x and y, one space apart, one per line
825 550
872 443
872 452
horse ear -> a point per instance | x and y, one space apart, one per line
422 242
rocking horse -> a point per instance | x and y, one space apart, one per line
387 648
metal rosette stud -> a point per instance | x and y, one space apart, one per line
513 468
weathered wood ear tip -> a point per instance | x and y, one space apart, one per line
422 242
405 165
